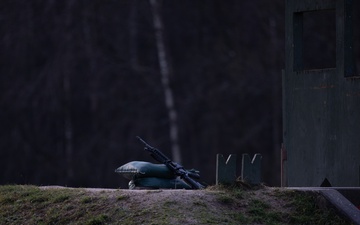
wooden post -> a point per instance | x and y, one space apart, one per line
283 166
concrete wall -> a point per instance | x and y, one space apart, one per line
321 107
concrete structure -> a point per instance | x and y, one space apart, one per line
321 107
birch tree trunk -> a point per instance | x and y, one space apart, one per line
165 69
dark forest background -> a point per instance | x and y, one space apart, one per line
80 79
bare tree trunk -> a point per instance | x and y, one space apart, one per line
91 57
276 107
68 127
68 124
133 35
165 69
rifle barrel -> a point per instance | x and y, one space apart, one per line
174 167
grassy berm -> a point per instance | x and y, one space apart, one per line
214 205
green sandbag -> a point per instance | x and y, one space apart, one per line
157 183
139 169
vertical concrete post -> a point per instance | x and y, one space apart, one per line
251 169
225 171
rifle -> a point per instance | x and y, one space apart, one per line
172 166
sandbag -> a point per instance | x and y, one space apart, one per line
139 169
158 183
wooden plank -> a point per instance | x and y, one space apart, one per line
313 5
289 36
345 60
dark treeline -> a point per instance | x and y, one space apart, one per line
80 79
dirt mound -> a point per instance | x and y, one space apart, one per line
214 205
